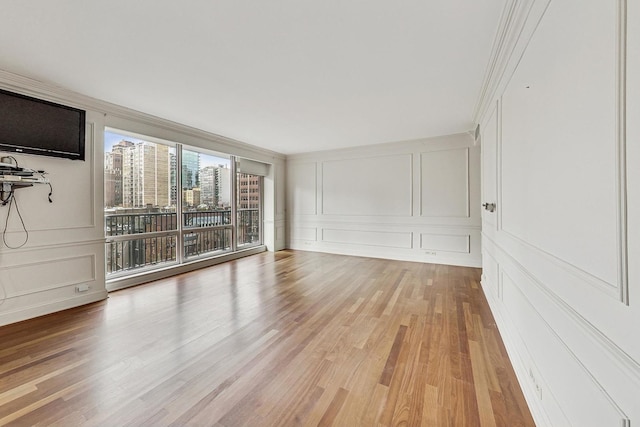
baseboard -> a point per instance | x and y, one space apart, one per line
411 256
516 359
51 307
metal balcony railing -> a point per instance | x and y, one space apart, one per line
206 218
248 227
136 223
206 242
136 253
143 240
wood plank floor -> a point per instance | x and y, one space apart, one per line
291 338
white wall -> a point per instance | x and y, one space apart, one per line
415 201
66 238
560 255
65 247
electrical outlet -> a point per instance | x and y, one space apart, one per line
82 288
536 384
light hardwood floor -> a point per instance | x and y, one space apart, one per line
291 338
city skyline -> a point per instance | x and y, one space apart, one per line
206 159
140 173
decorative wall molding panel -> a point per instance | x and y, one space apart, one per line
373 186
535 98
39 281
581 327
491 275
65 245
386 239
593 356
557 252
309 234
444 192
40 276
301 187
415 201
560 364
446 242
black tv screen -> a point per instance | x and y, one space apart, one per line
34 126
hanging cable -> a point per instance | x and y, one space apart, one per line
6 200
12 201
50 186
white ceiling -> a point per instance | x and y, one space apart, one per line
288 75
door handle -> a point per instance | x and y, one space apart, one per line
491 207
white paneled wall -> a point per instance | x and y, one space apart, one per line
444 183
416 201
369 186
66 247
559 138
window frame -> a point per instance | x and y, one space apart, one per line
182 259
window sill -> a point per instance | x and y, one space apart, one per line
134 279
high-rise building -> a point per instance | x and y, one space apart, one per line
223 186
121 146
145 177
112 179
191 197
208 186
173 179
190 169
113 187
248 201
248 191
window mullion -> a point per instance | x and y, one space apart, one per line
261 209
179 213
234 204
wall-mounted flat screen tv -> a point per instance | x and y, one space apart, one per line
34 126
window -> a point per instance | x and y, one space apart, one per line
206 204
249 209
169 204
140 215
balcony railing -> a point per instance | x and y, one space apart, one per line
206 218
248 227
143 240
138 253
136 223
207 242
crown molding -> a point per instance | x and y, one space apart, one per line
518 22
51 92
